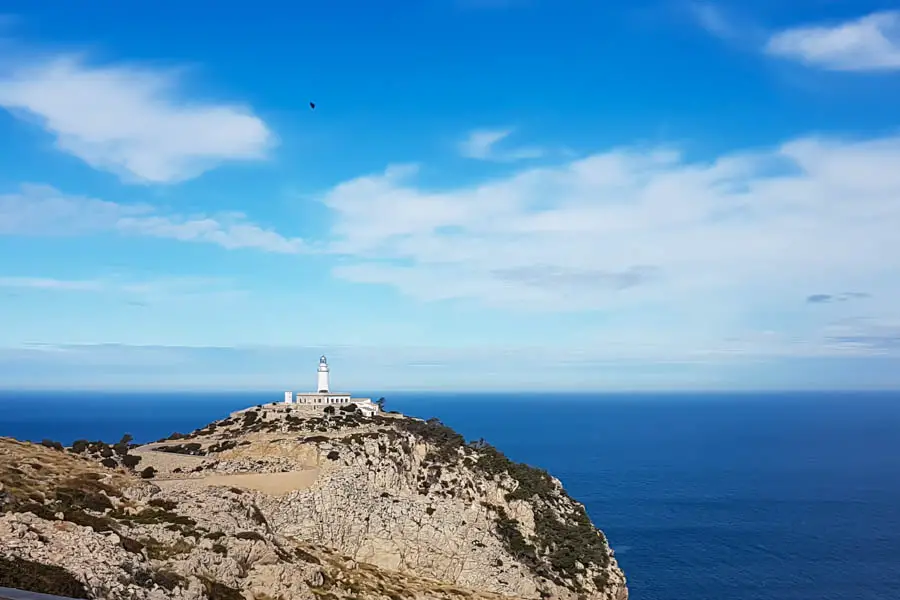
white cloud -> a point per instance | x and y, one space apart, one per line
673 252
44 283
481 144
711 18
870 43
169 291
43 210
133 121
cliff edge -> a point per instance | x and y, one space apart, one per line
289 501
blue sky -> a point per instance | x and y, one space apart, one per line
490 194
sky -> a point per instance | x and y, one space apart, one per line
489 194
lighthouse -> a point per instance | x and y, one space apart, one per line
323 394
322 386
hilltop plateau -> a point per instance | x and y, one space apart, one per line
289 501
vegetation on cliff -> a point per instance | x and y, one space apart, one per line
561 542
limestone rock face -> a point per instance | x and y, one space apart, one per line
290 502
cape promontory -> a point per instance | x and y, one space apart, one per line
285 502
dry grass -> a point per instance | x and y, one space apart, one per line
33 473
369 581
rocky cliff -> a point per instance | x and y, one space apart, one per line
295 502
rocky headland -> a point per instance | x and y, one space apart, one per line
293 502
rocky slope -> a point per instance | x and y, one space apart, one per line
292 502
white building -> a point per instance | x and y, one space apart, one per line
323 394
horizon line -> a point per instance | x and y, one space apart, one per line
526 392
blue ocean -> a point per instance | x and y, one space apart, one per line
704 497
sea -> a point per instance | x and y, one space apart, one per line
713 496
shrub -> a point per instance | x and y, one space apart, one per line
130 545
154 516
109 463
570 540
193 449
306 556
445 440
163 504
148 473
216 590
512 538
31 576
257 516
80 446
250 535
52 444
131 460
73 497
96 447
168 580
106 452
333 455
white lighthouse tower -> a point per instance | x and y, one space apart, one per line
322 386
324 396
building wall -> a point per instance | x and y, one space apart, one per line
323 399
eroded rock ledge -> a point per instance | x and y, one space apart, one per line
291 502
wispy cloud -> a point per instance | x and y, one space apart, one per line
43 210
134 292
638 231
44 283
872 336
481 144
135 121
713 19
869 43
828 298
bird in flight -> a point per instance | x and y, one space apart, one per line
312 105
